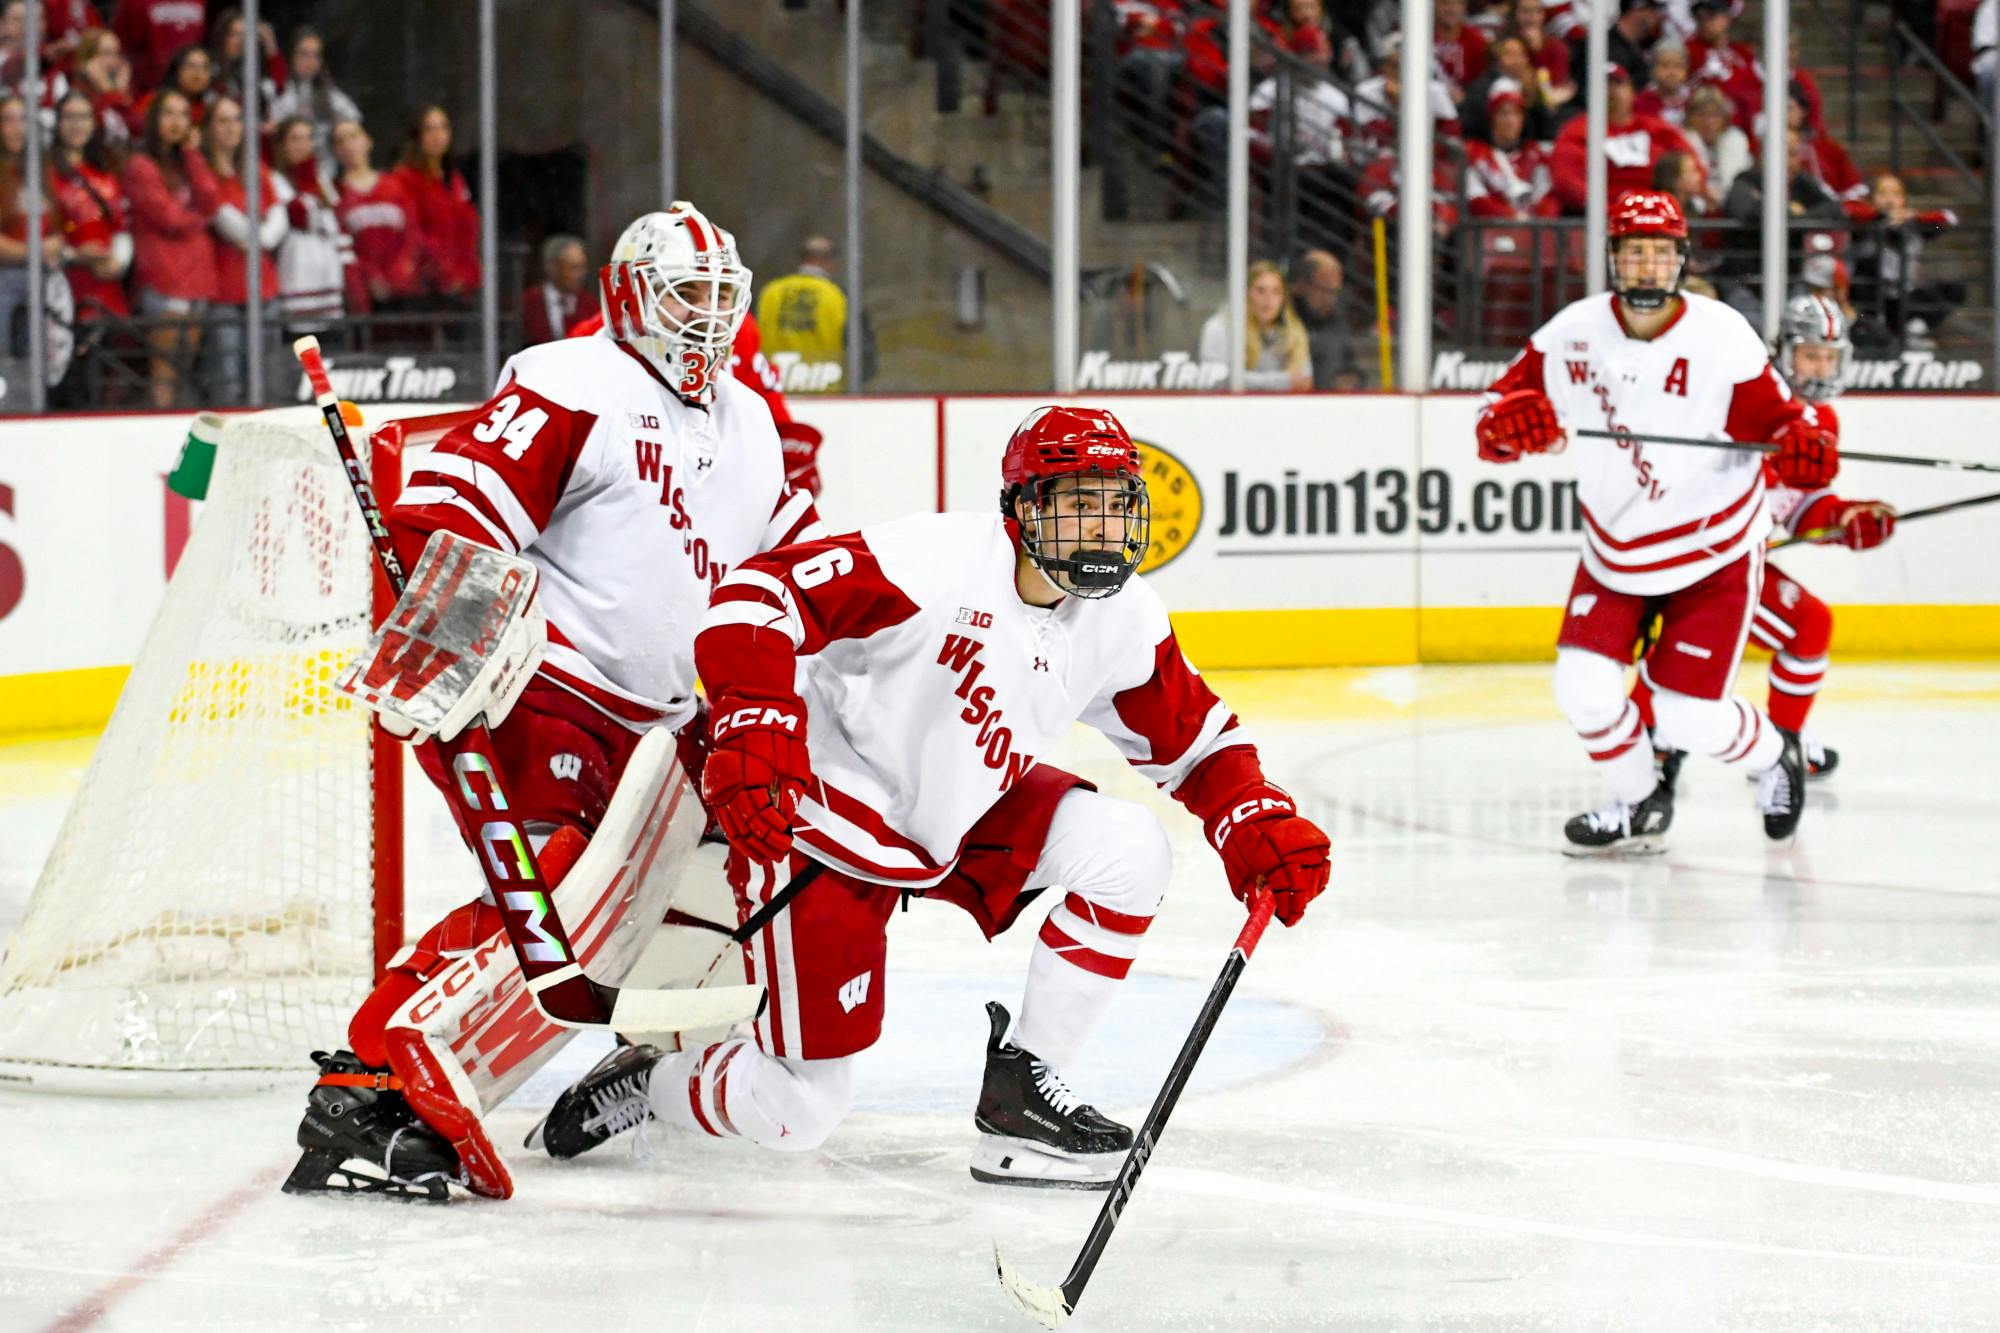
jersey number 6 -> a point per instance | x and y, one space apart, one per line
825 567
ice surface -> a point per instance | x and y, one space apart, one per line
1484 1087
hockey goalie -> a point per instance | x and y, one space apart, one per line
617 479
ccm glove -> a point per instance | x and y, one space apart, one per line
1808 455
1522 422
756 771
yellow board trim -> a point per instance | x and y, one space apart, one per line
58 701
47 701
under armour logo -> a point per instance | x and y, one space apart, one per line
855 993
566 767
1042 664
1582 604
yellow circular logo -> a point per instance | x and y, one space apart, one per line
1176 505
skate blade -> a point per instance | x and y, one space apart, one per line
536 1136
327 1172
1632 849
998 1159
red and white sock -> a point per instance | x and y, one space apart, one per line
1795 683
732 1090
1083 952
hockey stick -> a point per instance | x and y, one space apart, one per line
1846 455
1821 534
561 989
1052 1306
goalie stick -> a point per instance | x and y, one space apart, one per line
561 989
1052 1306
1846 455
1822 534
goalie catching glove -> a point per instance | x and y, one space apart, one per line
461 644
756 771
1521 422
1255 826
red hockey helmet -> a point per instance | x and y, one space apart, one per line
1646 213
1088 450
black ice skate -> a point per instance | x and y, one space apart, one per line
1667 770
604 1103
361 1137
1033 1130
1821 760
1620 829
1781 790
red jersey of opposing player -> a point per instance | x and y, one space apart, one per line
1669 530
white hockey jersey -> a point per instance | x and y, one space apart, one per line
931 687
632 504
1660 517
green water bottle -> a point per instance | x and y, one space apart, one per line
197 461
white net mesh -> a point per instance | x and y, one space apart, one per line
207 912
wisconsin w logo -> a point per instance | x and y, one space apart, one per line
855 993
565 767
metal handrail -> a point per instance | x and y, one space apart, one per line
1901 40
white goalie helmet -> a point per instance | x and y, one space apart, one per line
676 293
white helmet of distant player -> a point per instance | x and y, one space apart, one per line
676 293
1817 322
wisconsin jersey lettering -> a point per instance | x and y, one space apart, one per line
633 504
1656 517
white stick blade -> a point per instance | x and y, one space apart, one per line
649 1011
1047 1306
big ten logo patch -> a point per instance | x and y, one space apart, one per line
1175 498
976 619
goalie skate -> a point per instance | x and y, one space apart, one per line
1033 1130
361 1137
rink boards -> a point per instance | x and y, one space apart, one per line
1288 530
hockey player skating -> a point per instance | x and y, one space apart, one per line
1790 621
880 702
1670 531
632 472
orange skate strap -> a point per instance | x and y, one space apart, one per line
379 1082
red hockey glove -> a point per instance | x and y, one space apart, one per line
1265 844
1808 455
1866 523
801 445
757 768
1522 422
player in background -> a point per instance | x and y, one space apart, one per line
634 473
1795 625
881 698
1673 531
749 364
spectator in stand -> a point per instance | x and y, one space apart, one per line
1666 97
1809 198
567 292
1375 109
1510 176
1550 57
1720 62
1722 148
1458 50
1886 254
223 371
804 314
101 74
1631 39
1508 64
13 44
191 73
311 94
1317 280
14 222
1382 189
1807 86
1320 114
1679 174
1633 143
173 195
441 212
1829 161
225 50
384 277
1277 355
1302 19
96 225
313 257
64 22
154 31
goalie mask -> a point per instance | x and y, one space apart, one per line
1815 325
1075 499
1646 213
676 293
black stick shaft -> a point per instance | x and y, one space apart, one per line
1751 446
1163 1105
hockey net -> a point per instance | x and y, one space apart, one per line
228 879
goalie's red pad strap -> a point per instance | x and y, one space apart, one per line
379 1082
